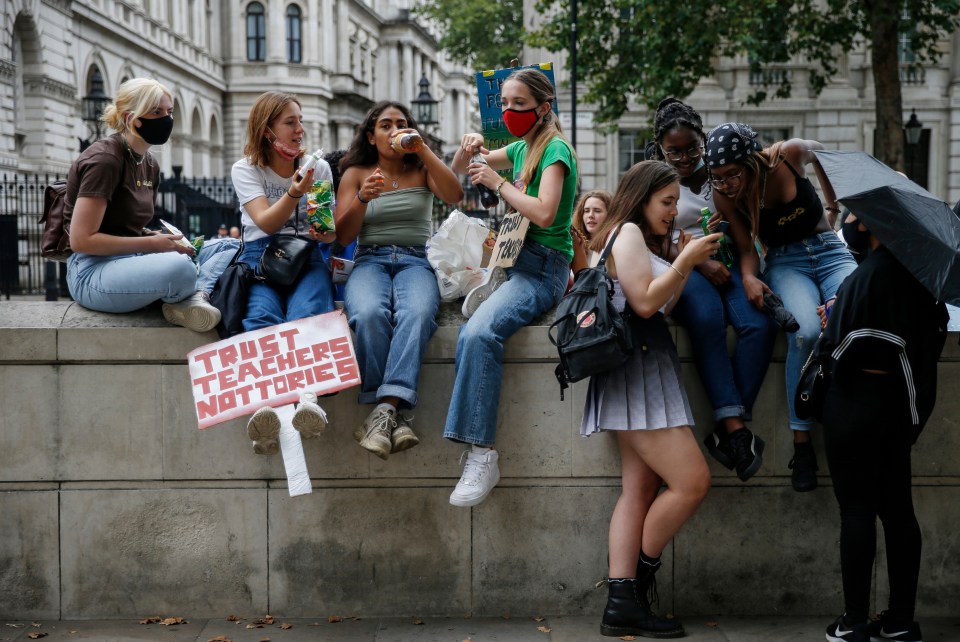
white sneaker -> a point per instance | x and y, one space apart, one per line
309 419
480 474
492 280
264 429
194 313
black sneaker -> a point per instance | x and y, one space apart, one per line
804 467
843 631
883 629
747 452
718 445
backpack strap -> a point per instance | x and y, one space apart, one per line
608 248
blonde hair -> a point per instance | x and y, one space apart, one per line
601 195
542 92
266 108
135 98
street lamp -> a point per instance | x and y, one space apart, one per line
425 107
913 128
93 105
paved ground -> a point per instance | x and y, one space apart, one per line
514 629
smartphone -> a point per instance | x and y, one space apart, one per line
183 242
721 226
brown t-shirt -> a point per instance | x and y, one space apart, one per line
107 170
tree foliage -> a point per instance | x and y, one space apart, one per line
477 34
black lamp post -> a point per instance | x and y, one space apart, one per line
93 105
913 128
425 107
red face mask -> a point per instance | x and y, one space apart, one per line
284 150
519 123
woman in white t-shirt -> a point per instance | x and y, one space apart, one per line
271 196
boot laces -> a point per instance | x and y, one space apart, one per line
383 424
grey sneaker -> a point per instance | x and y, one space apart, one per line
309 419
377 429
403 436
480 474
492 280
264 429
194 313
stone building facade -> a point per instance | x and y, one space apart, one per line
338 56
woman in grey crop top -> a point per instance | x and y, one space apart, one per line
385 201
767 190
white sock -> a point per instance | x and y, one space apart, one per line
480 450
385 406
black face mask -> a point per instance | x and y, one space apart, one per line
155 131
857 240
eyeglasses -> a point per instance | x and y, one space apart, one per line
692 153
732 181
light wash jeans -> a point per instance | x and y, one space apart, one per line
128 282
705 310
312 294
392 302
805 274
536 283
215 257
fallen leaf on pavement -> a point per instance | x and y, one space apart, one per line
34 635
266 619
254 626
173 620
234 618
628 637
220 638
286 626
150 620
333 619
544 629
539 619
417 621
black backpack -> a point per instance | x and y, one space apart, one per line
591 336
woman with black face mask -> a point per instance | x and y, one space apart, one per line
117 265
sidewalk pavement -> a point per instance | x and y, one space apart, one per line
427 629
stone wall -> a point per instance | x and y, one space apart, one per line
114 504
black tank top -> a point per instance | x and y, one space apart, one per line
793 221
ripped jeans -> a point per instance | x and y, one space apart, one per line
805 274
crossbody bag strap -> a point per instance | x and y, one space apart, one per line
608 248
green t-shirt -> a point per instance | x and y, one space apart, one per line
557 235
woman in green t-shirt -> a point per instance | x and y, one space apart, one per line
543 189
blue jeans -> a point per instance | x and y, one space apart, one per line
536 283
705 310
312 294
392 302
128 282
215 257
805 274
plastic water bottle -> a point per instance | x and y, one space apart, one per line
488 198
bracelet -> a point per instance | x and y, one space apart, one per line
674 267
360 199
500 185
831 208
296 198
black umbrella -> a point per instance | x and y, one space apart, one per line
921 230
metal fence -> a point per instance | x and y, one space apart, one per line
198 206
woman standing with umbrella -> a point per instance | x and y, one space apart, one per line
884 337
805 261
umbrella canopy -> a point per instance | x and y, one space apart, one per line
921 230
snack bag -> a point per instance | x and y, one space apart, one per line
320 206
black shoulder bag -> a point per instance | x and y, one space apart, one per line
230 295
286 256
591 336
812 387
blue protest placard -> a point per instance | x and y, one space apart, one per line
495 132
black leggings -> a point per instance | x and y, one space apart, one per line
868 436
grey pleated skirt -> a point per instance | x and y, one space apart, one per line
646 392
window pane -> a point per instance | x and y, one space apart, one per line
293 33
256 32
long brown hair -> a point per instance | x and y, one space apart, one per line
601 195
362 152
549 127
266 108
637 186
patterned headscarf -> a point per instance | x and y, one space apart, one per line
729 143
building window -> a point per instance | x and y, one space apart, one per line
256 32
293 34
631 150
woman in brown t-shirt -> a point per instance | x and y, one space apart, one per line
117 265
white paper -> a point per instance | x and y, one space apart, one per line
291 447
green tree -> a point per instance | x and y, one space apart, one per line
478 34
648 49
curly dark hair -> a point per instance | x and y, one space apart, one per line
671 114
362 153
333 158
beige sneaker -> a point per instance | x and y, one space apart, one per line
492 280
309 419
403 436
264 429
194 313
377 429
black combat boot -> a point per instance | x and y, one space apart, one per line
628 612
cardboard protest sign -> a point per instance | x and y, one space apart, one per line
271 367
513 229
